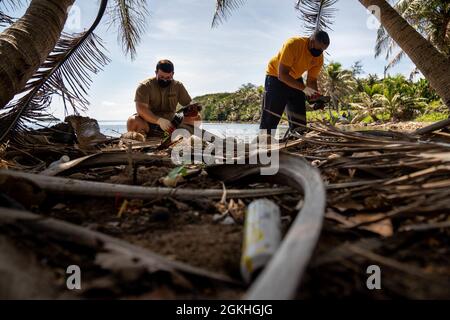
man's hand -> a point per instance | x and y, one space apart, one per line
164 124
309 91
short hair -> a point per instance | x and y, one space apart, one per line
165 66
322 37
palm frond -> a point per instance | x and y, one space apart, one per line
130 17
6 5
396 60
224 9
66 72
5 20
426 16
316 14
383 41
11 4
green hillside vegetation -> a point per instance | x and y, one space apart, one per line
359 99
244 105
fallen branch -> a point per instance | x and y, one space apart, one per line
433 127
67 186
104 160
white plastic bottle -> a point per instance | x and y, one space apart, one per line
262 237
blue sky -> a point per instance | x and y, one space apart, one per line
216 60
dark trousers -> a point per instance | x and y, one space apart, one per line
278 96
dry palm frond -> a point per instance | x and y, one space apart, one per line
65 72
130 17
224 9
5 19
316 14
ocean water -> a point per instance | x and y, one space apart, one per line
242 131
238 130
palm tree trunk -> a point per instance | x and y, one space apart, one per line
434 65
336 104
26 44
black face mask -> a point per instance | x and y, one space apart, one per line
164 83
315 52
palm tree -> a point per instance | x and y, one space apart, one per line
430 17
399 98
401 106
38 64
433 64
337 83
24 47
368 103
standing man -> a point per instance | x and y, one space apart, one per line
156 101
284 86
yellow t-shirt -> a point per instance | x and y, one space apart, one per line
295 54
162 101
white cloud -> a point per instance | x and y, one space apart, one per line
109 104
168 27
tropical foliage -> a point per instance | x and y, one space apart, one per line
337 83
367 99
244 105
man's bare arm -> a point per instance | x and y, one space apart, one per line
284 76
144 112
312 83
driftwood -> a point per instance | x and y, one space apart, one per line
433 127
105 159
281 277
67 232
66 186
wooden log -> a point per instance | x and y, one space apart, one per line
67 186
433 127
104 160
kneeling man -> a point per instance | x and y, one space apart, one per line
156 101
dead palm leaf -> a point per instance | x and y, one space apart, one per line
5 19
224 9
130 17
316 14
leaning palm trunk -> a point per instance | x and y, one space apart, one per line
26 44
434 65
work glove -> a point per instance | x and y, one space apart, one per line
309 91
164 124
